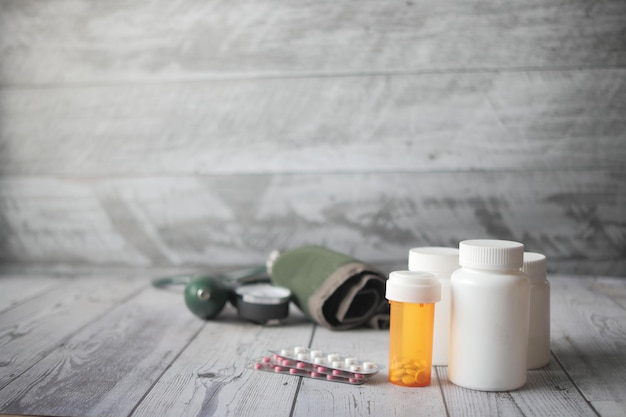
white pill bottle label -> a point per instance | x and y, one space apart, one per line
489 317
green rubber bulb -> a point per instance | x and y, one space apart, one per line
206 296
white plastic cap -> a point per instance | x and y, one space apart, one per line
438 260
413 287
535 266
491 254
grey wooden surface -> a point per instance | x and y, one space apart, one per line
175 133
84 342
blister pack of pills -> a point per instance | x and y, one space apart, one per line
316 364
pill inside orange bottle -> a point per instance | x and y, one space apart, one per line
412 296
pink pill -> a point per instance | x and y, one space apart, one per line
293 371
301 365
336 372
321 369
278 368
359 376
330 377
353 381
267 359
286 362
316 375
258 366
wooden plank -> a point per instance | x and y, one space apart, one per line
48 214
32 329
224 220
427 122
17 288
376 397
611 287
76 41
548 391
107 367
610 408
614 267
588 336
210 376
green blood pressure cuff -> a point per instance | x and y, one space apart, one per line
334 290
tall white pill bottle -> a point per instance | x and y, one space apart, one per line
442 262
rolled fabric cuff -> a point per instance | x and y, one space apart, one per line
334 290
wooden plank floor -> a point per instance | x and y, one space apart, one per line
105 343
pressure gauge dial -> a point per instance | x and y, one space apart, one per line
261 303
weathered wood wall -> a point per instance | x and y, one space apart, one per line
206 132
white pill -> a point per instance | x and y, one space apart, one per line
350 361
315 353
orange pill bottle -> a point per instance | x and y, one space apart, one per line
412 296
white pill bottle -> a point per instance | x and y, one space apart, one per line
539 327
442 262
489 317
